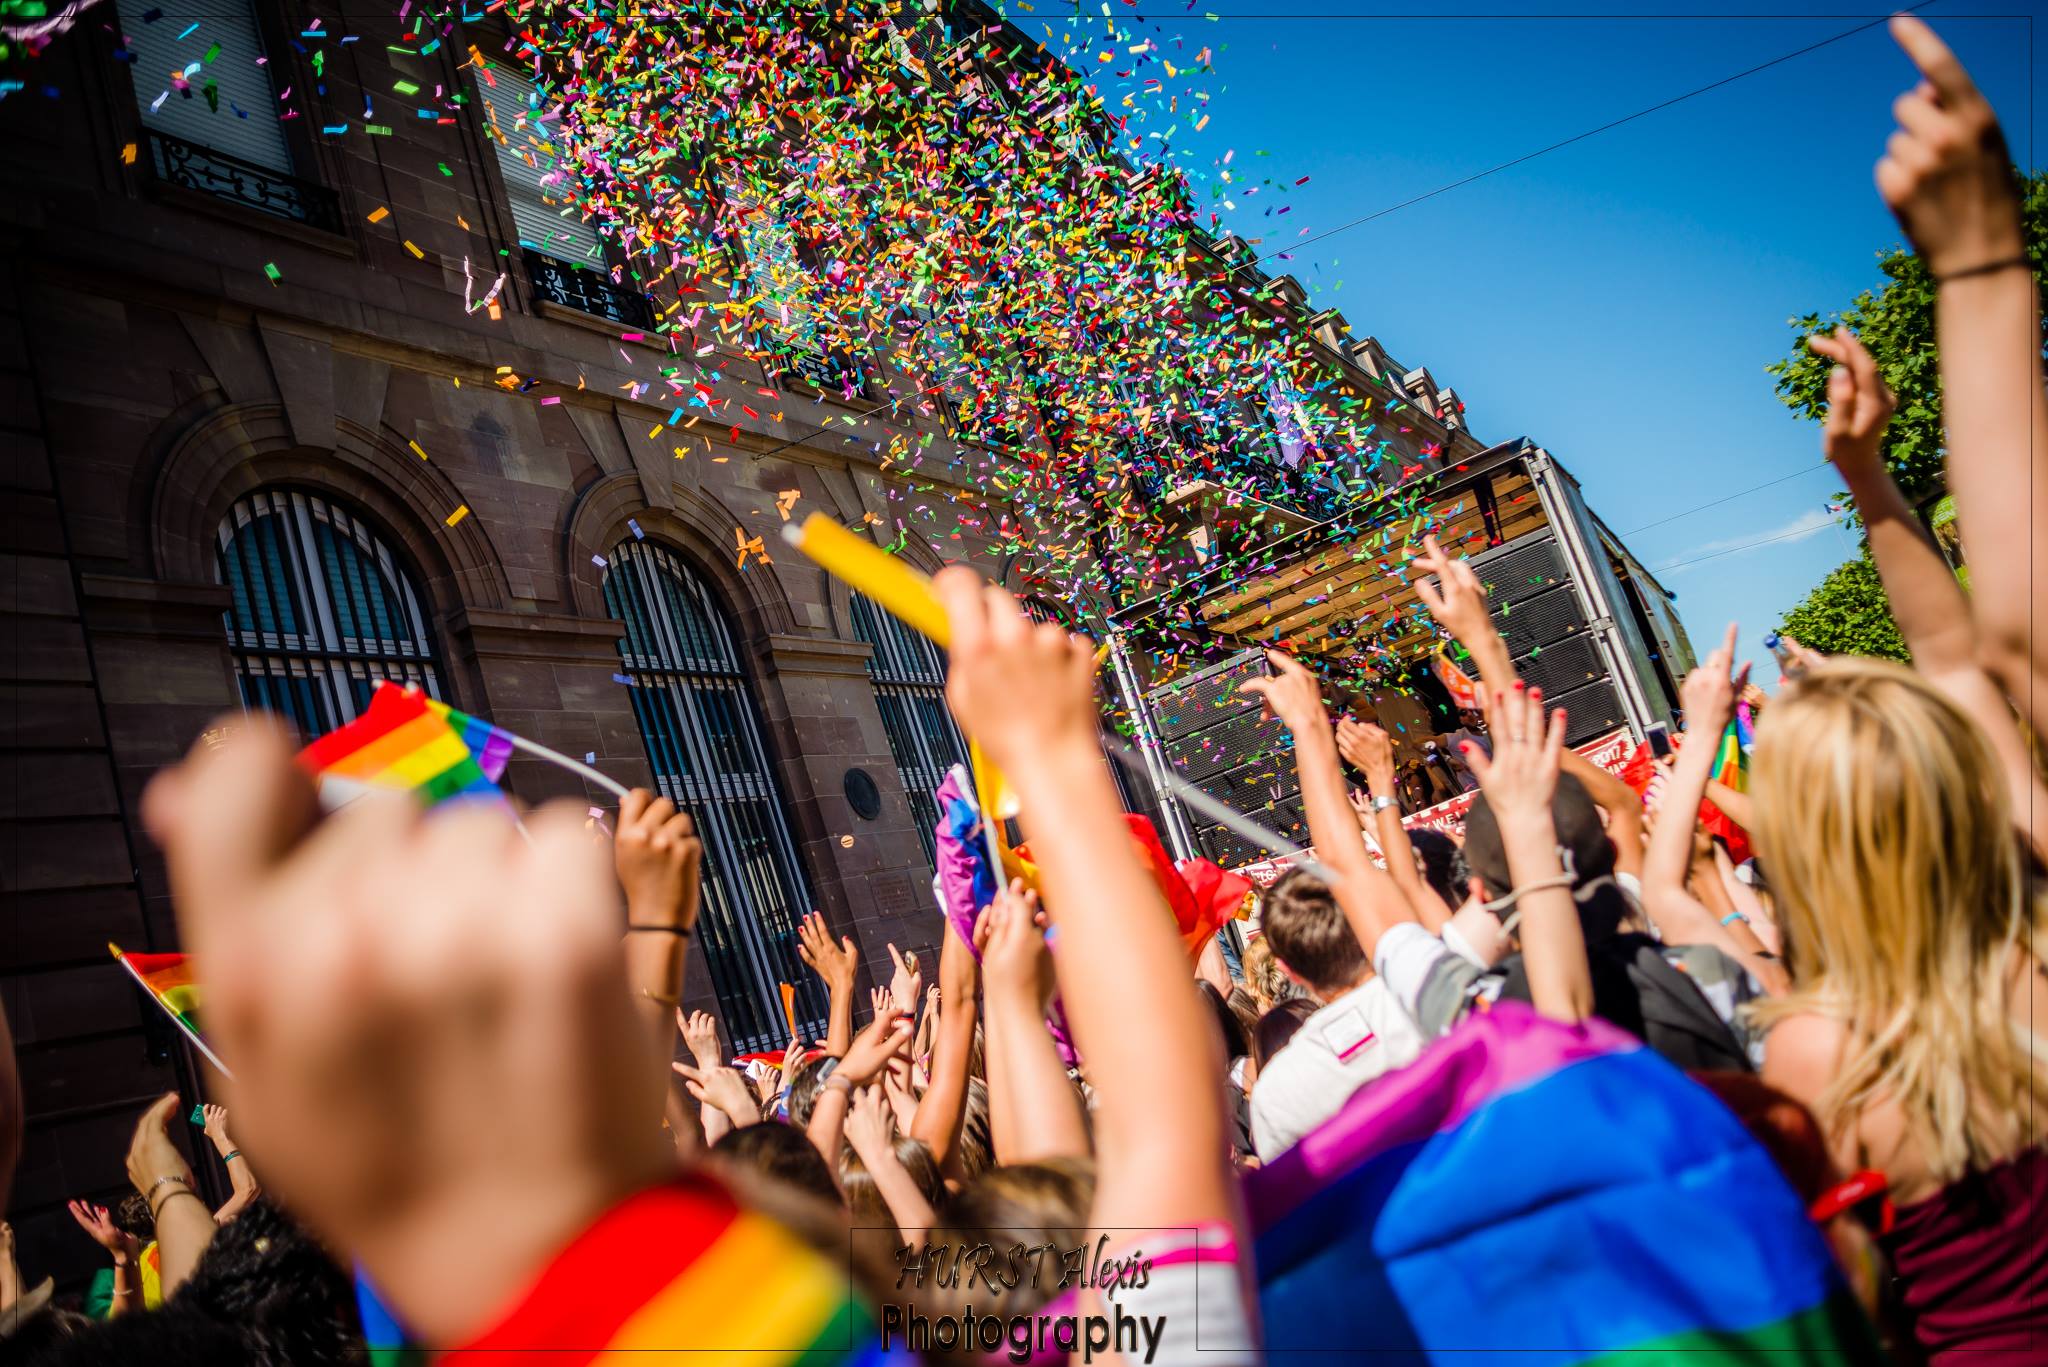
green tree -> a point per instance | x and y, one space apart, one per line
1896 322
1847 613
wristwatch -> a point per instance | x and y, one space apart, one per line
1380 804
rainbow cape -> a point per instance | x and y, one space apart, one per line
1561 1194
683 1268
407 740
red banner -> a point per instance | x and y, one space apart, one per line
1611 752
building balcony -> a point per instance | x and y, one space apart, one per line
590 292
224 176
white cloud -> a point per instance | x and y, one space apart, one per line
1798 529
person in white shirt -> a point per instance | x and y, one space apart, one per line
1357 1033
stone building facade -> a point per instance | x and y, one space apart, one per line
255 447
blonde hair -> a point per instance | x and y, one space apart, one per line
1886 831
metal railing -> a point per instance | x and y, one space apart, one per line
225 176
587 291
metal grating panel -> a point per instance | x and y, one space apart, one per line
1557 669
1205 698
1520 570
909 674
1542 621
1595 710
1216 748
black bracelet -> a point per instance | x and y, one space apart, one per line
680 932
1988 268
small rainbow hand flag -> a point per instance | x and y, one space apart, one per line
168 979
406 740
1731 758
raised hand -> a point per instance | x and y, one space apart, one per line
216 1122
906 983
154 1163
874 1046
836 964
1014 957
656 854
1709 692
871 1125
700 1033
724 1088
1018 687
1860 405
99 1226
434 1050
1457 598
1946 172
1289 693
1371 749
1520 776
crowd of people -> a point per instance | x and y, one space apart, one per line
469 1116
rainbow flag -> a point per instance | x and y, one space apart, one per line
1731 760
1559 1193
405 739
168 979
683 1268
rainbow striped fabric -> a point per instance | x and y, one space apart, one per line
1731 759
405 739
683 1273
1559 1193
168 978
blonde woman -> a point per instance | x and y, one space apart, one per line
1916 942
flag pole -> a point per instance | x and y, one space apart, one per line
574 766
1217 812
185 1029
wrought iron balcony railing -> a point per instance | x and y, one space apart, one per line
228 177
587 291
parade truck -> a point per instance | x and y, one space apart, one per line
1581 616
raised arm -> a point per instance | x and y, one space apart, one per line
184 1225
1026 692
1708 695
1371 902
870 1129
836 965
1948 176
1929 606
1033 1111
240 1175
865 1059
1457 599
1519 780
943 1107
1624 809
656 854
1371 750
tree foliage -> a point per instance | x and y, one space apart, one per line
1847 613
1896 322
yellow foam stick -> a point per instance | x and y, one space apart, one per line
871 570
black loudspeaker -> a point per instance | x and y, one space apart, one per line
1529 592
1216 739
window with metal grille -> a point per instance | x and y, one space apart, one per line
909 675
321 609
703 735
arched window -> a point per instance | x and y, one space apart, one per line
703 739
909 674
322 609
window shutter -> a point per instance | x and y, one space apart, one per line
775 269
243 119
543 209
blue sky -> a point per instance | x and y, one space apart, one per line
1616 300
